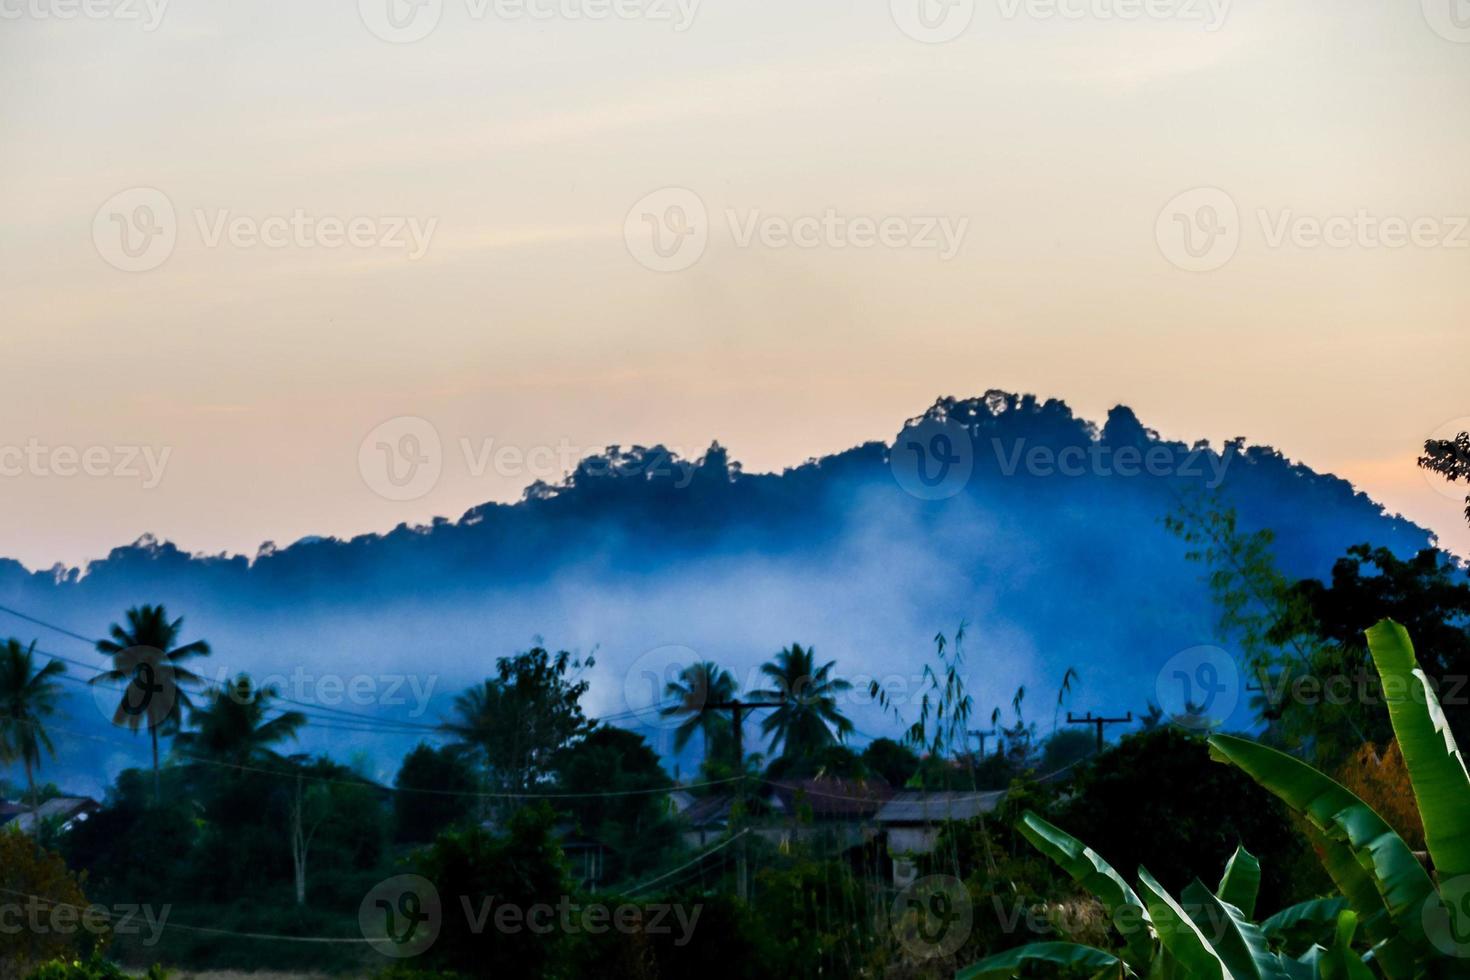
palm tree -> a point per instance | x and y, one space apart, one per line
808 716
699 686
27 698
146 661
232 727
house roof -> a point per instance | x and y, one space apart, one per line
830 798
918 807
63 808
707 811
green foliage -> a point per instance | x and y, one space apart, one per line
699 687
635 825
896 763
1197 814
435 791
1394 908
523 868
516 722
36 882
808 719
232 727
28 696
1450 458
95 968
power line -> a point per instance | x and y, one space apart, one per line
243 767
718 847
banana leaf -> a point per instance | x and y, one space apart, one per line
1349 829
1436 767
1340 962
1305 923
1088 869
1178 933
1239 942
1074 956
1241 882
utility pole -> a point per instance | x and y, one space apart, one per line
737 709
1099 722
982 736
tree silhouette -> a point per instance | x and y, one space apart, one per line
27 698
232 728
699 686
808 716
145 659
1450 458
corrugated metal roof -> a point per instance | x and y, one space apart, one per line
918 807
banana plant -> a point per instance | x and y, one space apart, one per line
1393 920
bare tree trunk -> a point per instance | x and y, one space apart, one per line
153 736
300 841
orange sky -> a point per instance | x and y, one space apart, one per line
1246 224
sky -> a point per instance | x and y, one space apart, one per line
252 251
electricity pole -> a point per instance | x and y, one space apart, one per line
737 709
1099 722
982 736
